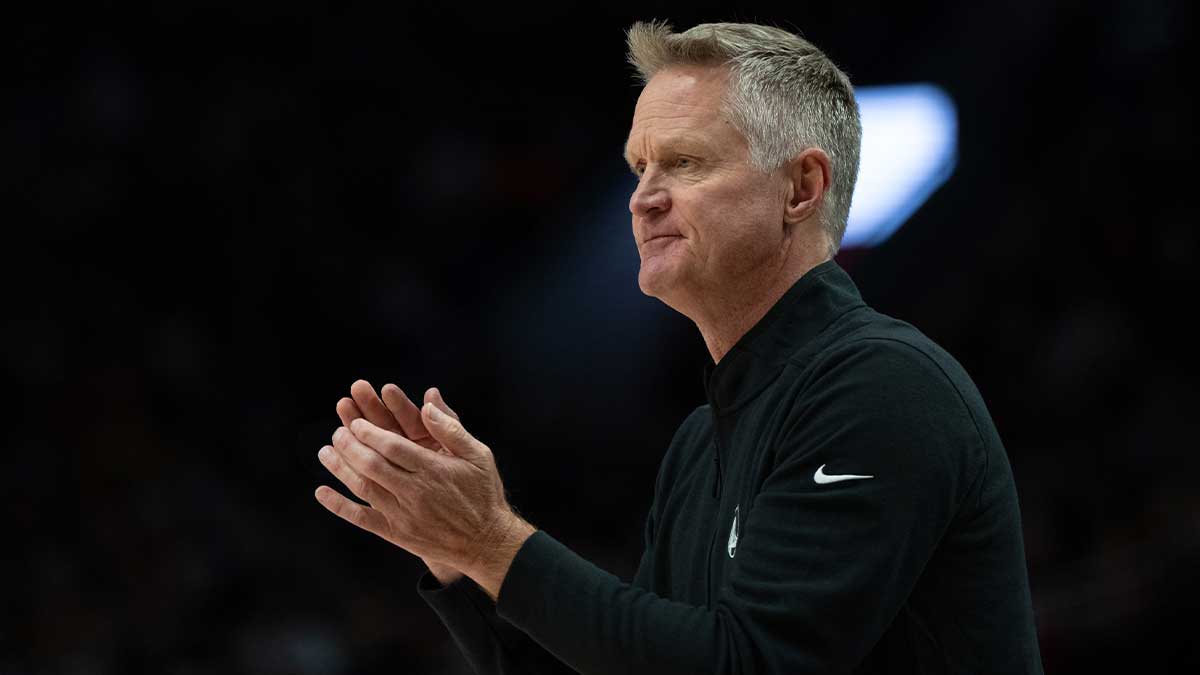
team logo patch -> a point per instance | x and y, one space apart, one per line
733 533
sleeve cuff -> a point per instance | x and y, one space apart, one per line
530 579
461 592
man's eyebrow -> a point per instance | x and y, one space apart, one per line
625 154
689 142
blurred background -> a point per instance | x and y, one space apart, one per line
220 217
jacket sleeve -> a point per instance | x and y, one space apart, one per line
821 569
492 645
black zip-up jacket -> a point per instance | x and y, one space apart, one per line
842 504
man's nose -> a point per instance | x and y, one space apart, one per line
649 197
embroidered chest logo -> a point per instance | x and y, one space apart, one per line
733 533
822 478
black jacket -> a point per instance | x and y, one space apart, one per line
843 504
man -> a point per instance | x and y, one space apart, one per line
843 502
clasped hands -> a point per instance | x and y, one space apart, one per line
430 487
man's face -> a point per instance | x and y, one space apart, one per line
704 218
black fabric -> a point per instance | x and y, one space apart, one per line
917 566
490 644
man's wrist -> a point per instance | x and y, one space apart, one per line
494 560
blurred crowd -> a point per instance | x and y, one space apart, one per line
221 217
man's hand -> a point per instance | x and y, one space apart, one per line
396 413
448 508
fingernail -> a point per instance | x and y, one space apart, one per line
338 433
324 452
435 413
356 424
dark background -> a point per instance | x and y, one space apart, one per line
218 218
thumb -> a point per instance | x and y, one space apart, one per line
434 395
450 432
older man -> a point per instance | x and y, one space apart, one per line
842 502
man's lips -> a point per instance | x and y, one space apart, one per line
663 236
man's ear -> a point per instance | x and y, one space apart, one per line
809 175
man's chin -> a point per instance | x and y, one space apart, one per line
650 283
658 281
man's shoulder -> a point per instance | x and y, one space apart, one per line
697 420
873 356
887 346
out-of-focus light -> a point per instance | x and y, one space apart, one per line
909 148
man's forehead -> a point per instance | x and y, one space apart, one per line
679 78
681 88
699 128
692 91
668 139
679 106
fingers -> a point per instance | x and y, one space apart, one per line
392 446
365 489
395 412
347 411
403 411
434 395
369 463
356 514
451 433
372 408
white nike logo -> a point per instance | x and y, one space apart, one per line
822 478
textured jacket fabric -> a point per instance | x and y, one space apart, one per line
842 504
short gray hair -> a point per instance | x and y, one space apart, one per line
784 96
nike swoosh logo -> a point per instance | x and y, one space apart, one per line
822 478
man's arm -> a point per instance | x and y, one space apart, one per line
821 570
391 482
491 644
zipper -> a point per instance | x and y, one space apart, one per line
716 493
717 465
717 522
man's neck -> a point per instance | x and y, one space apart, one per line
729 314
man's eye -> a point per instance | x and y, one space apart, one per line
683 162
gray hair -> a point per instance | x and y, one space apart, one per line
784 96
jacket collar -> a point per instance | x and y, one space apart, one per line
823 294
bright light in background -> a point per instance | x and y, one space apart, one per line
909 147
